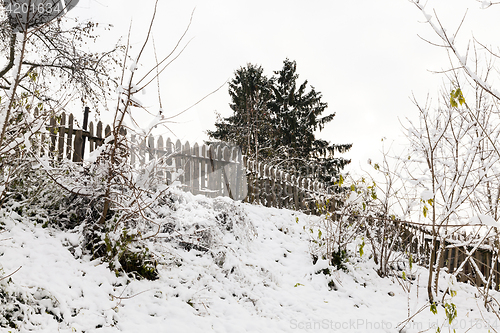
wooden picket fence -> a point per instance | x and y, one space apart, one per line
221 170
417 240
67 141
212 170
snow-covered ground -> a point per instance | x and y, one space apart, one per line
258 276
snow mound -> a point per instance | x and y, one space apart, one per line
224 266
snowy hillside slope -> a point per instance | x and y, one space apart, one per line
250 271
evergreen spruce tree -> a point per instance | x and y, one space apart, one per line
250 123
275 120
296 116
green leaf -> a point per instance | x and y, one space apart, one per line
425 210
361 246
341 180
461 99
404 275
451 312
456 97
453 103
434 308
298 284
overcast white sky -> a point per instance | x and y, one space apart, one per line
364 56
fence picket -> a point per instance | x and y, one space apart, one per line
196 169
203 169
187 168
168 151
69 139
211 170
226 159
178 161
92 144
60 143
53 136
78 141
151 148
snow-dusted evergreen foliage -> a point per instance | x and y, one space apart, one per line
275 120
